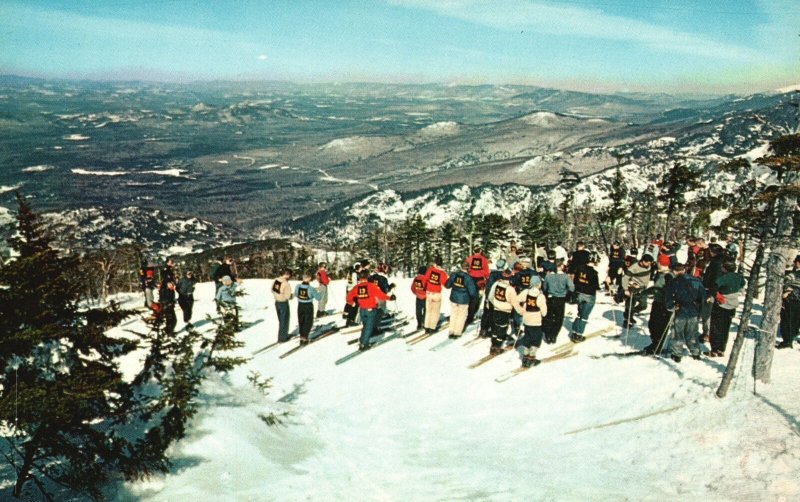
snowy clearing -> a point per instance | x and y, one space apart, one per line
406 423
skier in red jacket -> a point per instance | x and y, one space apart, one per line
366 295
479 271
418 288
435 278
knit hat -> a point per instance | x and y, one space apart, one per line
500 264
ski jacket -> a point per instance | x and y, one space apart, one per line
166 296
322 277
531 304
547 266
186 286
494 276
223 270
579 258
380 280
557 285
418 287
502 295
148 278
305 293
525 278
791 286
616 255
701 261
561 253
478 266
366 294
728 286
281 290
712 273
657 289
586 281
225 294
168 275
636 277
462 288
435 278
687 294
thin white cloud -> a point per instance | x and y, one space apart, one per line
560 19
262 57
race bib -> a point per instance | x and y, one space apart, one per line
302 294
362 293
583 278
459 282
418 285
525 280
531 305
500 294
276 287
435 279
476 264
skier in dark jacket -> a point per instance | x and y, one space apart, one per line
556 287
168 272
790 308
166 303
660 317
586 286
616 264
487 323
462 292
726 298
305 295
185 290
580 257
712 272
684 295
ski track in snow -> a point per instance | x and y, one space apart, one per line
328 177
405 423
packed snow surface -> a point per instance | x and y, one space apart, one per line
402 422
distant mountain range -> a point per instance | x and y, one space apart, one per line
244 161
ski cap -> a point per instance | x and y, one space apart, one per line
500 264
647 257
525 260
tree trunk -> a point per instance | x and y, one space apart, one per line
744 322
780 248
23 474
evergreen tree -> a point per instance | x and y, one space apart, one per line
493 230
617 211
677 181
61 387
448 235
538 225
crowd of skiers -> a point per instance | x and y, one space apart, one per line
523 298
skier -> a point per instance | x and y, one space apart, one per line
462 294
561 252
524 278
366 296
684 295
479 271
487 322
660 317
185 290
586 286
282 293
580 257
616 263
790 308
726 291
418 288
166 301
227 267
532 306
306 295
556 287
502 296
701 258
435 278
634 283
379 279
350 312
547 264
226 300
710 276
511 255
147 278
168 272
322 289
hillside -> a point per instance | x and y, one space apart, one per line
406 423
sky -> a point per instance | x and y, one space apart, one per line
601 45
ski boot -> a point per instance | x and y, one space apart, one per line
530 361
495 350
304 340
364 346
576 338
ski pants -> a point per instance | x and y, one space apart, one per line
170 320
531 340
657 324
474 306
420 312
790 321
487 321
458 317
282 309
705 317
585 307
685 332
721 319
305 318
322 289
635 303
187 303
380 313
500 331
149 297
368 318
350 313
551 325
433 304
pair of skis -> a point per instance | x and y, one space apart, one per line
322 332
394 332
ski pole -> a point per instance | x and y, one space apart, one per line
630 312
665 334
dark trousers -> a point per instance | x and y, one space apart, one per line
551 324
187 303
282 309
790 321
170 320
474 305
657 324
420 312
305 318
531 338
705 317
634 304
500 330
720 327
487 320
350 313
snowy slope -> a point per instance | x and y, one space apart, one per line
405 423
